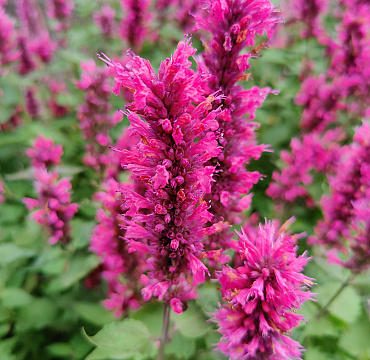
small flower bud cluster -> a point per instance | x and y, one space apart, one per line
167 224
95 120
261 296
54 208
233 25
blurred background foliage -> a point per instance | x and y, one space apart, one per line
47 311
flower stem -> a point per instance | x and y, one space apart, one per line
164 337
336 294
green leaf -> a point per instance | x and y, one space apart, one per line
60 350
191 323
94 313
81 232
10 252
209 297
356 340
347 304
320 327
123 336
104 354
15 297
313 353
180 346
79 267
151 315
38 314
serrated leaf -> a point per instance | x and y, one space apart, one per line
81 232
60 350
315 354
104 354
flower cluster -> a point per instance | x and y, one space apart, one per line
104 19
314 154
261 296
34 37
346 208
108 242
233 26
61 10
53 203
32 104
167 224
95 120
134 26
44 153
7 36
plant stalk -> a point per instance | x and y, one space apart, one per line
165 327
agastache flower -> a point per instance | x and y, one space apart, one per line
104 19
135 24
167 224
95 120
44 153
61 10
117 261
261 297
314 154
345 224
7 37
54 209
32 104
233 25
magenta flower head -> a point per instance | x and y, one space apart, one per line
233 25
61 10
261 296
44 153
7 37
54 208
167 224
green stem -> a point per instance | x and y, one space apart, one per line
164 337
336 294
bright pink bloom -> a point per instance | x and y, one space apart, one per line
233 25
44 153
261 297
54 207
104 19
172 164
